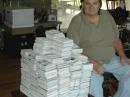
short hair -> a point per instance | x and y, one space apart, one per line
100 1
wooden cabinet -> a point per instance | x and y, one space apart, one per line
14 43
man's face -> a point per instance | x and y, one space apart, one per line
91 7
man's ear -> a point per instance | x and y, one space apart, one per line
100 2
81 6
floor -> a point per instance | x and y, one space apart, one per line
9 75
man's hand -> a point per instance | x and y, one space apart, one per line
120 50
125 60
98 67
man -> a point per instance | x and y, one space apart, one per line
95 31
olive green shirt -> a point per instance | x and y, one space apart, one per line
96 40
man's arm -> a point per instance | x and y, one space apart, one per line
97 66
120 50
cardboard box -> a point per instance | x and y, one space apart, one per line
18 18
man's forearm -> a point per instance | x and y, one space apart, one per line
119 48
97 66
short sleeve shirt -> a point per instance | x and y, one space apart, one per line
96 40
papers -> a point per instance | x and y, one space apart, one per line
55 68
52 34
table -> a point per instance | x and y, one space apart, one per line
51 24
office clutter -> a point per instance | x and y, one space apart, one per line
125 38
1 39
14 43
19 29
19 21
55 68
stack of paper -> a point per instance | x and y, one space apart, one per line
63 81
55 68
36 75
85 79
42 45
81 58
76 49
47 82
45 65
76 74
52 34
25 72
63 47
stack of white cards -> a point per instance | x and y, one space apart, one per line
76 74
52 34
27 66
55 68
63 47
76 50
85 79
63 81
41 76
42 45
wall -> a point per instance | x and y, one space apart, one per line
127 5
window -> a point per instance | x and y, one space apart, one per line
67 9
104 5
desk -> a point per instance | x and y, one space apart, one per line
52 24
14 43
40 28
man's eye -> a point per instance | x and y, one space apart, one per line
95 3
87 3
